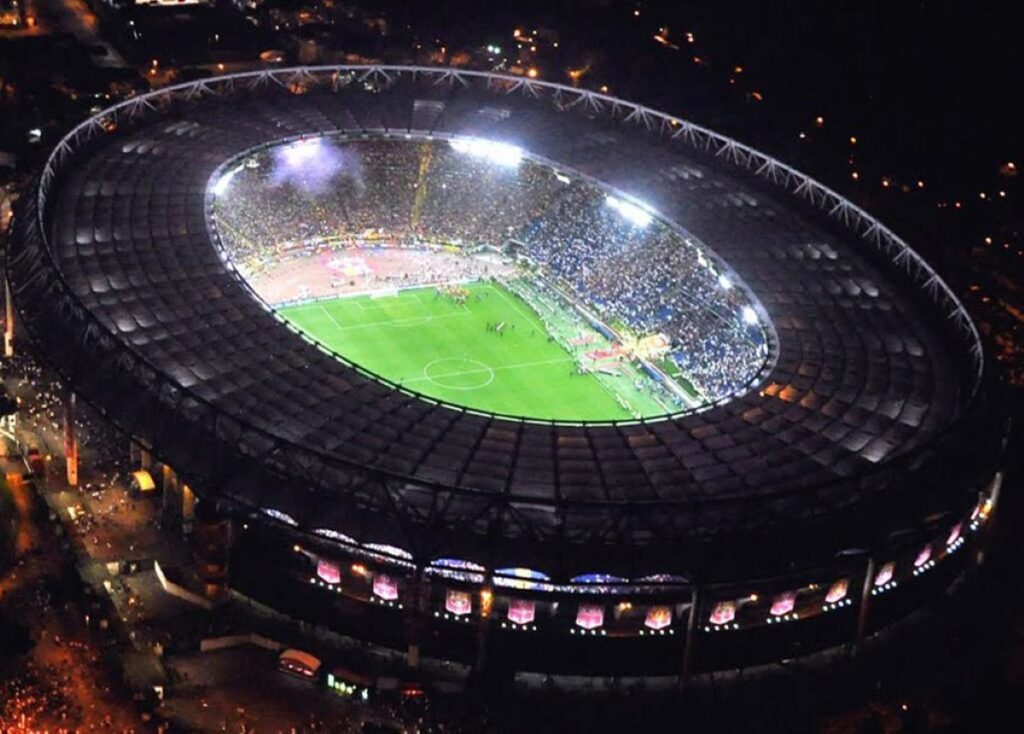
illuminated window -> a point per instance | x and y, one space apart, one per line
521 611
954 534
724 612
838 591
885 575
329 571
385 587
783 604
458 603
589 616
658 618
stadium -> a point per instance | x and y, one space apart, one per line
512 376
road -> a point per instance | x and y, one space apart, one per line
63 682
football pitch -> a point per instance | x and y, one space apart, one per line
452 352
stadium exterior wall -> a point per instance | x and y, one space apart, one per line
937 496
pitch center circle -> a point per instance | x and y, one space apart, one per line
458 373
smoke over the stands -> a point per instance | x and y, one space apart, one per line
312 164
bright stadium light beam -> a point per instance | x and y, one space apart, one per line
221 187
310 164
634 213
224 182
502 154
723 280
749 315
301 152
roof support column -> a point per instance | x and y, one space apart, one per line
173 500
188 509
211 550
139 456
483 628
416 617
70 439
865 605
691 634
8 321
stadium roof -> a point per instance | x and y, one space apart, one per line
877 364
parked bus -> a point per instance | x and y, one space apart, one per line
298 663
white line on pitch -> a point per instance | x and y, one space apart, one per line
397 322
333 320
490 369
501 292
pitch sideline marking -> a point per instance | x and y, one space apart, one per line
412 295
532 319
333 320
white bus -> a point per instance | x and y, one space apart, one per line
298 663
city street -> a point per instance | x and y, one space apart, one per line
102 539
65 681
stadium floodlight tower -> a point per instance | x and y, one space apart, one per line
845 450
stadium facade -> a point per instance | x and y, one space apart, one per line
851 484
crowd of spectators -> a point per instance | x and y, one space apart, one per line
644 276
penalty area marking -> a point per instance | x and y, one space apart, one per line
380 302
485 372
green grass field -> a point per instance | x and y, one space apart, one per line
435 346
